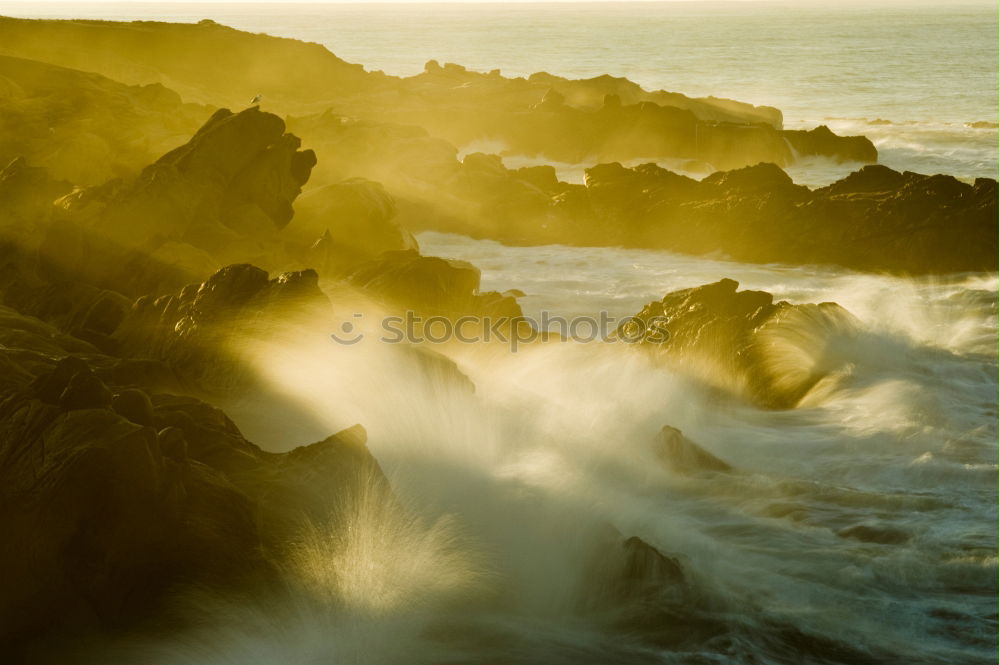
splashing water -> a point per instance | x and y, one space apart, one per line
855 528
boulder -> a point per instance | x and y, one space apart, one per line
430 285
744 343
236 177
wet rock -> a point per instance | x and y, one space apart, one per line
685 456
228 289
103 517
746 344
196 332
644 565
874 219
430 284
822 141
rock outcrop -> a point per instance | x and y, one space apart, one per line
115 495
200 330
228 192
874 219
602 118
78 258
746 344
338 226
205 62
431 285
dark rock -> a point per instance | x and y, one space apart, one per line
172 442
228 289
822 141
644 567
225 193
431 285
195 331
85 391
484 164
739 341
881 535
134 405
50 385
767 178
104 518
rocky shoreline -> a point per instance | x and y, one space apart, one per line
145 227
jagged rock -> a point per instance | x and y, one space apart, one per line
194 331
645 568
236 177
759 179
227 290
745 343
543 177
226 192
479 163
109 505
874 219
